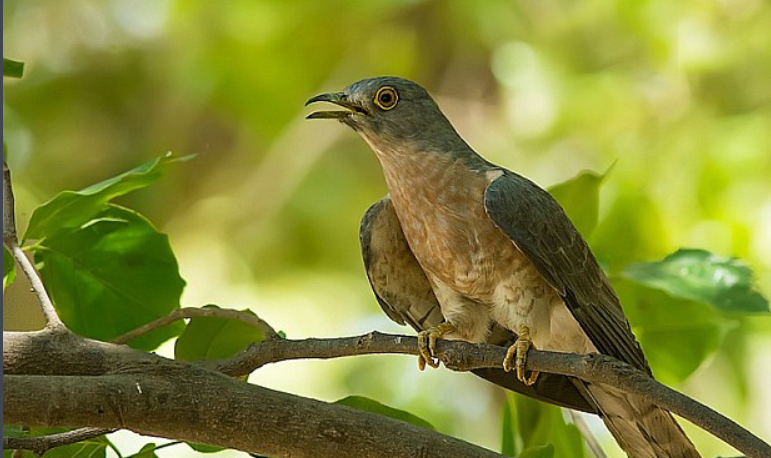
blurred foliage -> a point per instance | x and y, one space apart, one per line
580 197
675 93
12 68
534 429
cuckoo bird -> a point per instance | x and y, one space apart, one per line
461 248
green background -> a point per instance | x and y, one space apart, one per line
675 94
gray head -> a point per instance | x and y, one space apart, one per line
392 114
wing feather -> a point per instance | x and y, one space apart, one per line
405 294
539 227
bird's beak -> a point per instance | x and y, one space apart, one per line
339 99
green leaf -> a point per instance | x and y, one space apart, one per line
12 68
698 275
539 425
580 197
9 269
372 406
538 451
71 209
204 448
147 451
677 335
215 338
112 275
509 436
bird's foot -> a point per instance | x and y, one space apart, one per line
427 344
518 353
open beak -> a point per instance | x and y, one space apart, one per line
339 99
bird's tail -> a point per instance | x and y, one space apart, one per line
642 429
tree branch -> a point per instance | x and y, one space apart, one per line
172 399
11 241
192 312
464 356
117 362
42 444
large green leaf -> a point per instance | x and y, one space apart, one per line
677 335
725 283
370 405
215 338
71 209
112 275
580 197
9 268
535 426
12 68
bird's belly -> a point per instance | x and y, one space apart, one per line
460 246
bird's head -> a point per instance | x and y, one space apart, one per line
392 114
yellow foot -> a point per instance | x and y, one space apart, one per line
427 344
518 353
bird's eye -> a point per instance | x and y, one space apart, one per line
386 97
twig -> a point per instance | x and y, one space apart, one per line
192 312
11 241
591 440
53 321
42 444
9 219
464 356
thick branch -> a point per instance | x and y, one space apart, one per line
191 312
193 404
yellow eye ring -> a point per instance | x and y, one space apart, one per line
386 98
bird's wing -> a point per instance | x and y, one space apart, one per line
539 227
398 281
405 294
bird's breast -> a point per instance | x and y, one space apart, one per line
440 205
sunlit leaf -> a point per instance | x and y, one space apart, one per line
12 68
725 283
9 269
580 197
112 275
70 209
215 338
370 405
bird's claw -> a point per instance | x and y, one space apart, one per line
427 344
518 353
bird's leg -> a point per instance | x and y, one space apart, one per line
427 343
518 352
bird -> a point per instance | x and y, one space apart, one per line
461 248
